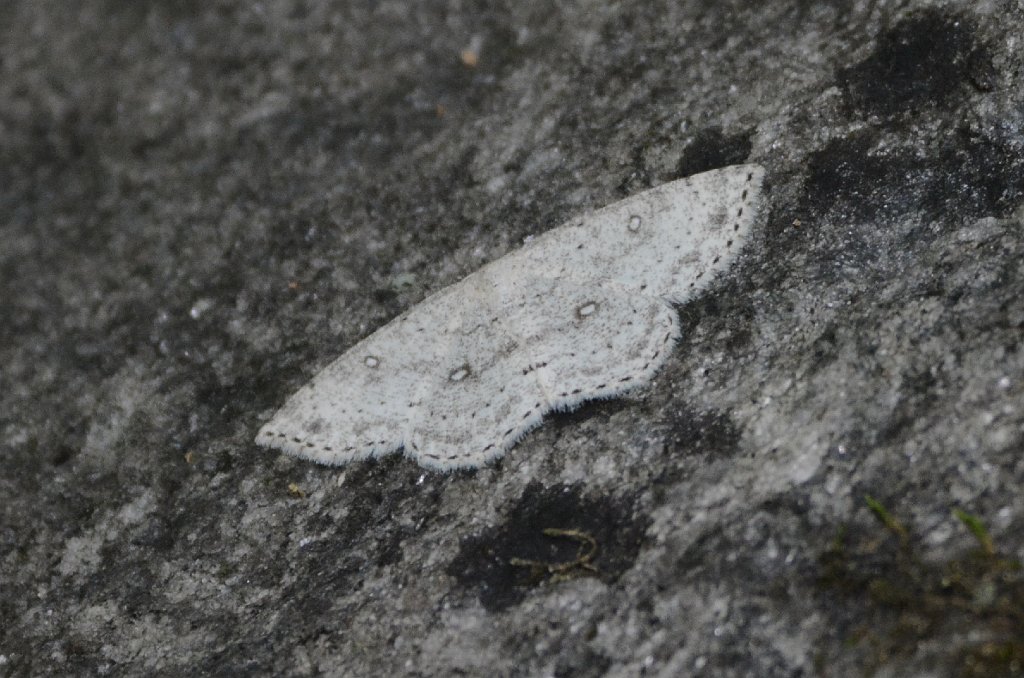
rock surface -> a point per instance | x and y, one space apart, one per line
203 203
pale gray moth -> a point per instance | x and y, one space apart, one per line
583 311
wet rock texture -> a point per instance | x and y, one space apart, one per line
202 203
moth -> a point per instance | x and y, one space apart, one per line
582 312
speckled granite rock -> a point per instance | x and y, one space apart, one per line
202 203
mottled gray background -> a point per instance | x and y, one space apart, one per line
202 203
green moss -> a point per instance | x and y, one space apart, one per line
886 518
970 607
977 528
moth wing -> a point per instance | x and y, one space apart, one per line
668 241
363 403
589 342
529 346
480 398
